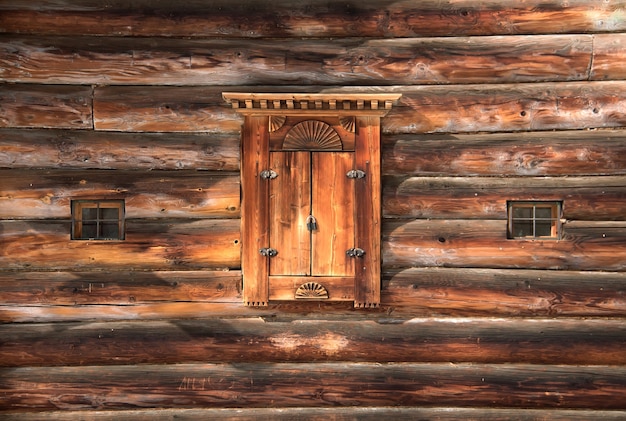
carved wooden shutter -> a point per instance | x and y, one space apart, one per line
311 159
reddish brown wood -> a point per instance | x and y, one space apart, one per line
46 106
422 109
584 198
313 385
338 414
563 341
181 194
597 152
483 243
149 245
254 210
608 51
368 211
119 287
290 18
408 61
118 151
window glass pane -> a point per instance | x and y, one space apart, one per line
523 229
543 229
109 214
543 213
522 212
110 230
89 230
89 214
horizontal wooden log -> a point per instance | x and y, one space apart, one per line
149 244
607 50
584 198
86 149
336 414
46 106
119 287
595 152
313 385
484 244
290 18
406 294
422 109
30 194
454 340
512 292
407 61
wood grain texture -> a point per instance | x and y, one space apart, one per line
483 244
407 61
46 106
422 109
504 292
320 414
149 244
165 194
289 18
607 51
86 149
563 341
571 153
584 198
119 287
313 385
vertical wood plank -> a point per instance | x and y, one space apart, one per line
333 207
254 210
290 204
368 211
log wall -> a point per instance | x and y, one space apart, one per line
501 100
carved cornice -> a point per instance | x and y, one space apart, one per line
311 104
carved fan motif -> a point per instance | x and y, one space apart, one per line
348 123
312 134
276 122
311 291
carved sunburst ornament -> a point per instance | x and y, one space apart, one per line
311 291
276 122
312 134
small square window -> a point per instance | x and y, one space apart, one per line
97 219
534 220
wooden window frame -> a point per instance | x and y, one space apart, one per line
362 113
556 208
77 220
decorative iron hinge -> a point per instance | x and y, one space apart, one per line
268 174
355 252
268 252
355 174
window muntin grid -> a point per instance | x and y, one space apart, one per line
97 220
534 220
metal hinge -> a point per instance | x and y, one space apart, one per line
268 174
355 174
355 252
268 251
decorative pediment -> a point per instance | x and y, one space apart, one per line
314 104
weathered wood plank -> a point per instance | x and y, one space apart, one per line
36 194
608 51
416 292
313 385
454 340
46 106
407 61
292 18
87 149
513 292
119 287
584 198
596 152
149 244
483 244
422 109
320 414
